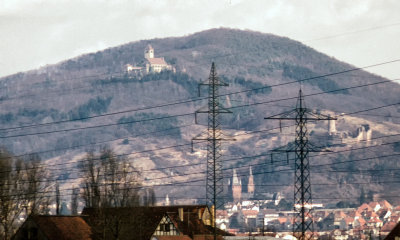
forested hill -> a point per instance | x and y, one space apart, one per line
62 102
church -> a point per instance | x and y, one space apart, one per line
151 64
154 64
238 190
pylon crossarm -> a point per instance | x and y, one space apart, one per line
224 110
219 111
201 110
318 116
313 148
282 116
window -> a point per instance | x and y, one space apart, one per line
165 227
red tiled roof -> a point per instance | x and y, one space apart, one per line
394 218
361 221
63 227
364 207
249 212
156 61
374 220
373 204
397 208
371 214
141 222
354 214
387 227
348 220
385 204
282 220
222 213
395 232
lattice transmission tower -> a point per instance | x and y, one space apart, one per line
213 136
302 222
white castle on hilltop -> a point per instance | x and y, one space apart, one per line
152 64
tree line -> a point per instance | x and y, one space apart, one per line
26 187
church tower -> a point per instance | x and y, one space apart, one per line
250 186
149 52
236 187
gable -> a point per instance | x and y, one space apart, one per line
166 228
206 217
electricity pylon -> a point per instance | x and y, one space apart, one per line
302 222
214 137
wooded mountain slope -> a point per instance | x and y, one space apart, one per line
70 93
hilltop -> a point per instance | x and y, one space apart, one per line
97 83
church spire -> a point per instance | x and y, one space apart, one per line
235 180
236 187
250 186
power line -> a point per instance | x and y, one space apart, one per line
246 105
252 165
352 32
232 93
138 152
96 126
246 133
242 134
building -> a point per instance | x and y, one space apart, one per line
332 126
237 190
394 234
250 185
43 227
236 187
153 64
191 222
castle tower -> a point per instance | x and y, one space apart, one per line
236 187
149 52
360 134
368 134
250 186
332 126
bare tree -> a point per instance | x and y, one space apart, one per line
35 184
74 201
22 188
109 181
90 184
149 197
58 200
11 207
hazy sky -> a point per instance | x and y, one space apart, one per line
38 32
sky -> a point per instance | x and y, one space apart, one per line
34 33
